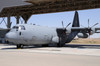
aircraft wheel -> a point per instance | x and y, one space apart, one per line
19 46
45 45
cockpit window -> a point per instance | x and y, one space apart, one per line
21 27
15 27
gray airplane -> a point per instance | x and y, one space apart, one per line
24 34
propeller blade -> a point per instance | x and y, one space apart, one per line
88 23
95 24
68 25
62 24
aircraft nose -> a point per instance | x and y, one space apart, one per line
10 35
7 36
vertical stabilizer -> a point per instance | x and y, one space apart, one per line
76 20
73 33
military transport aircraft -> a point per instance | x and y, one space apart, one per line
24 34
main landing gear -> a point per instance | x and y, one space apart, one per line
61 43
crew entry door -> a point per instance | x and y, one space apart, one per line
21 33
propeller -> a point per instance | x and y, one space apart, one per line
89 29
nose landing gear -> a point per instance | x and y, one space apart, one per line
19 46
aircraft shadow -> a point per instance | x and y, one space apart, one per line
7 48
80 46
83 46
25 47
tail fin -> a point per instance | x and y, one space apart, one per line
73 33
76 20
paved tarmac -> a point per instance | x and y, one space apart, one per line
71 55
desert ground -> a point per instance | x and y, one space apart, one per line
86 41
70 55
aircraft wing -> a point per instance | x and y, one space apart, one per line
97 30
3 32
86 30
78 28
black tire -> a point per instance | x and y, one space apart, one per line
19 46
45 45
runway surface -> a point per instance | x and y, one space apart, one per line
70 55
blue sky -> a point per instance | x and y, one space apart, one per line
55 19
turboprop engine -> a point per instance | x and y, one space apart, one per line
82 35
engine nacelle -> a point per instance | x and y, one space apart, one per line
82 35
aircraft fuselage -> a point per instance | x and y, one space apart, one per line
31 34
